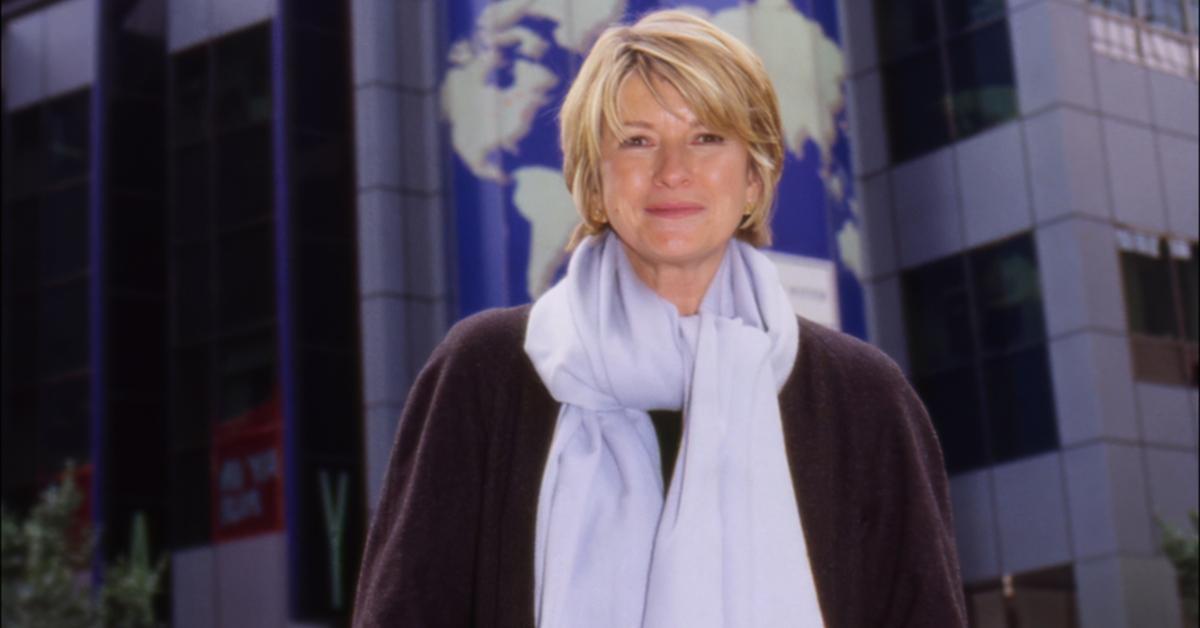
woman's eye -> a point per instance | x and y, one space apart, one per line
636 140
709 138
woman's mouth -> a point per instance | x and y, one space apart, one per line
674 210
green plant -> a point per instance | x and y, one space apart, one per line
47 560
1183 550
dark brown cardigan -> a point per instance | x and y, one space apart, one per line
452 541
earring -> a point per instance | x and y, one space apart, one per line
746 215
600 217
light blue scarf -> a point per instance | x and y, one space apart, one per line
725 548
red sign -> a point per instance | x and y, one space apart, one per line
247 473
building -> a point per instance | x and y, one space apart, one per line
1028 170
234 230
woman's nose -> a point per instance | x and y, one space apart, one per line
673 166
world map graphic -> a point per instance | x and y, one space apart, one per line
509 65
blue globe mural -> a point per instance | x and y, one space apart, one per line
508 67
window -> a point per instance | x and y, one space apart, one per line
222 255
46 307
1159 34
947 71
1046 597
977 342
1159 277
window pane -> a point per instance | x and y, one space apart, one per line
916 105
67 124
190 202
981 71
21 343
1008 295
21 237
329 402
190 398
246 372
904 26
64 231
323 203
320 82
189 498
137 159
192 294
1120 6
935 308
952 399
246 270
325 283
64 423
189 85
1020 405
63 328
243 78
1168 13
1188 275
245 176
1148 298
961 14
25 171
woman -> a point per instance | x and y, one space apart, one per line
659 441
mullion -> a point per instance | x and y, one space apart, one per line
977 361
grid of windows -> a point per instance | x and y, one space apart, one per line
977 341
47 373
947 71
1160 278
222 255
1178 15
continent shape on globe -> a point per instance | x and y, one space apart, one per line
488 120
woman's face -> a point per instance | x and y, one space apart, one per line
674 190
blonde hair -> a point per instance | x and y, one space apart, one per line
721 79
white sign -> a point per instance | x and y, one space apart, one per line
811 285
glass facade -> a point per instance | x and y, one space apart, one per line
947 71
977 342
47 359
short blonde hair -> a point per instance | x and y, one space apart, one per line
722 80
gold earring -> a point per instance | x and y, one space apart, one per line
746 215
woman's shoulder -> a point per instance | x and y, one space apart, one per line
491 333
837 353
485 349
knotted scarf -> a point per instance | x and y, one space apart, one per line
725 547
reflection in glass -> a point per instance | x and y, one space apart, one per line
63 328
962 14
1168 13
984 91
193 303
190 200
952 398
189 84
67 124
245 182
916 105
246 373
1020 404
905 26
1008 297
246 278
1119 6
937 315
243 78
64 422
23 173
64 230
